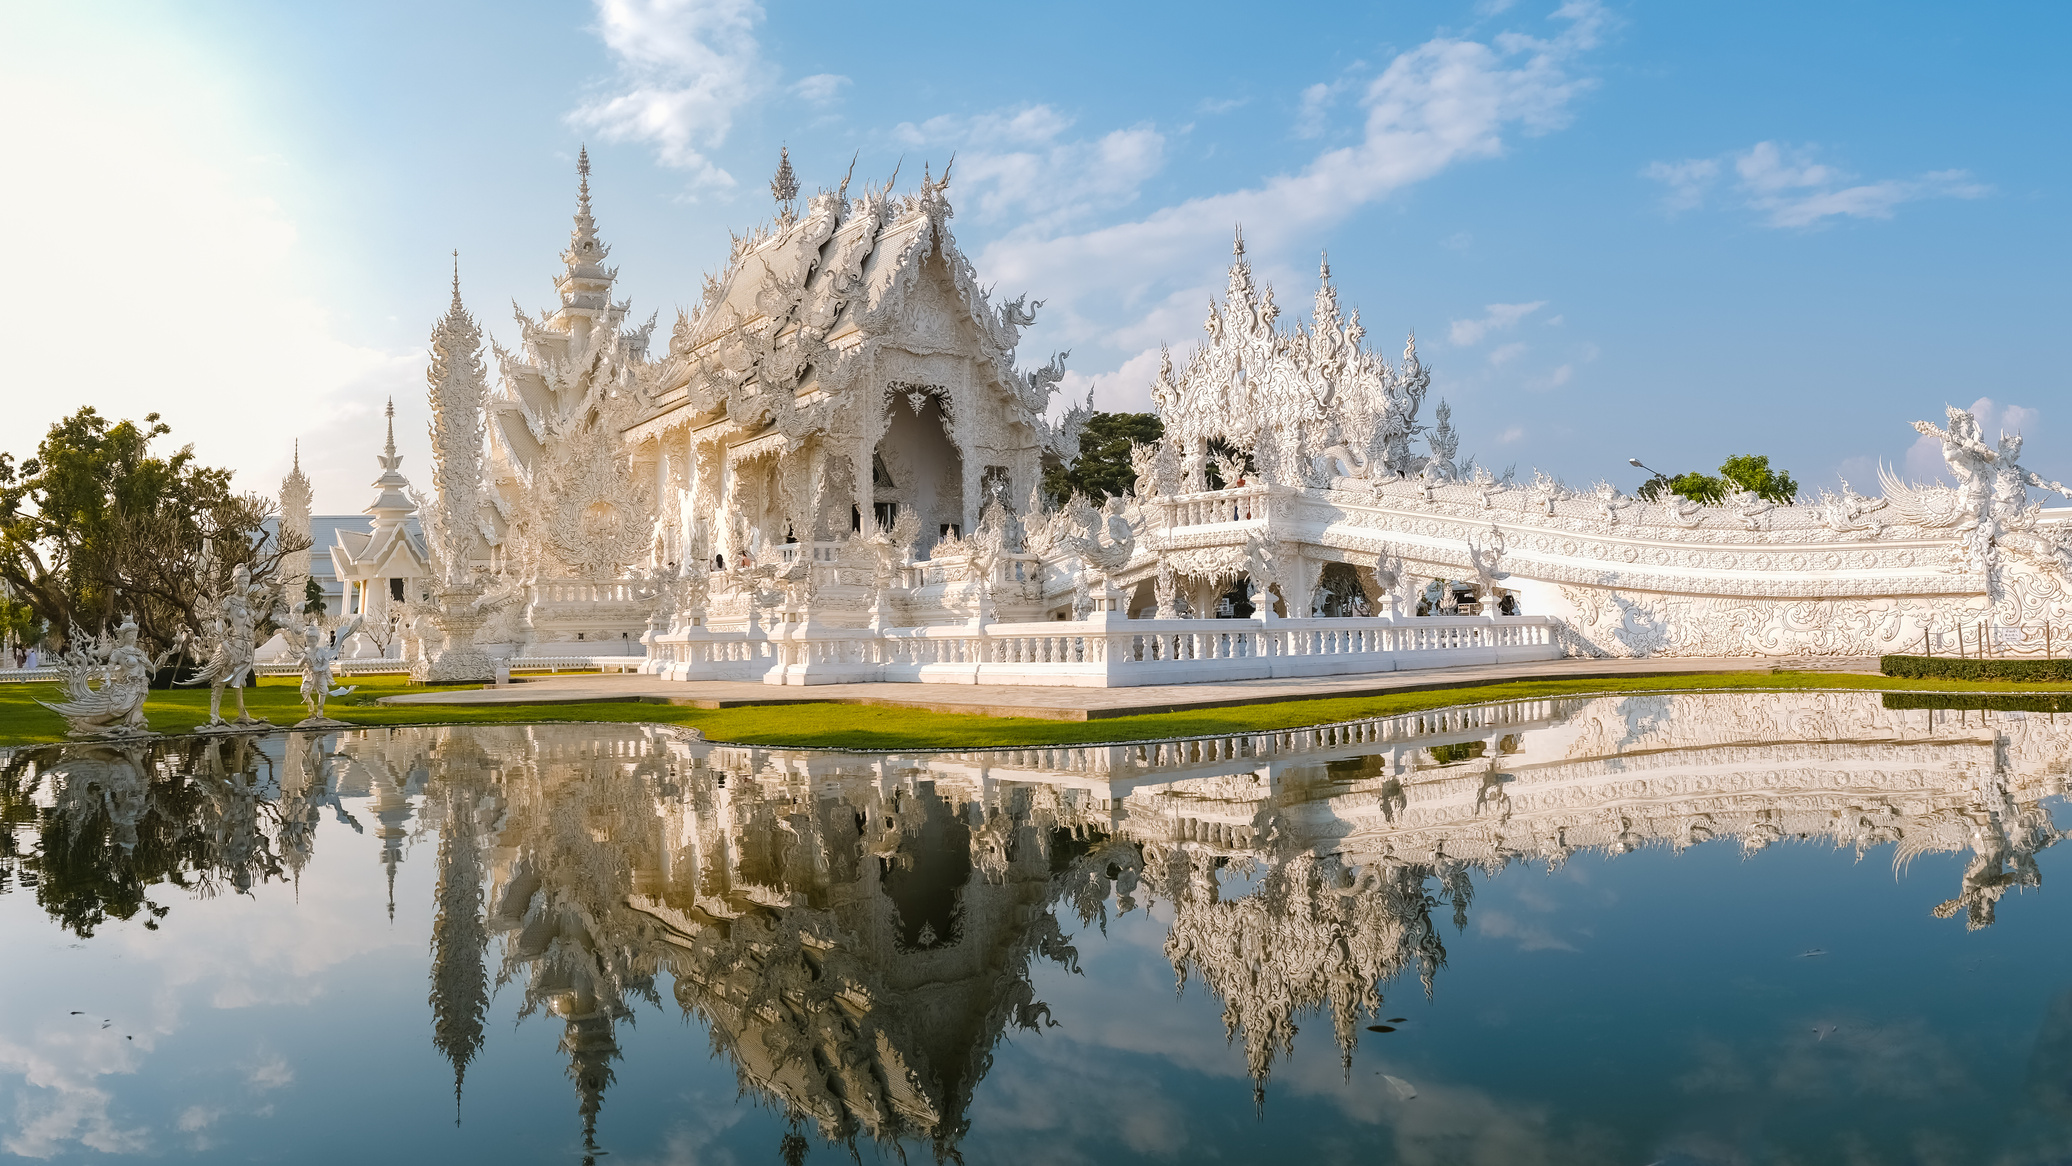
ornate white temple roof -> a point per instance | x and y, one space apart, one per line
392 549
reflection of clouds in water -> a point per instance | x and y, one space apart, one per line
1531 936
1446 1123
1105 1005
62 1101
1080 1103
272 1073
1823 1058
225 952
696 1140
238 952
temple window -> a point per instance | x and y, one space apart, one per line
396 590
886 513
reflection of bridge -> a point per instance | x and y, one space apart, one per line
859 929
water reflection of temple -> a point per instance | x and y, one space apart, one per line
859 931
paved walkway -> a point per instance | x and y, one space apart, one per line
1079 704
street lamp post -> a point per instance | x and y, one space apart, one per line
1659 476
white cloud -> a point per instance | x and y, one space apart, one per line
1443 103
1561 375
1020 164
1215 105
820 88
1458 241
1688 181
1126 390
1317 101
1495 318
1514 433
1788 188
685 67
1506 353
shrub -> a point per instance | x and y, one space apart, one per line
1961 668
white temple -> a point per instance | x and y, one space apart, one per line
831 472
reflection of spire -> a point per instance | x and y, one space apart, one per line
591 1046
391 806
460 984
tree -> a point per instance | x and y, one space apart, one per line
1752 473
95 527
20 626
1102 469
1743 471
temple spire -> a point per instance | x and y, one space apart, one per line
456 279
389 460
582 182
784 186
585 283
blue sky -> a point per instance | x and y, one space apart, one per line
1676 232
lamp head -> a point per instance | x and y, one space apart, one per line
1635 462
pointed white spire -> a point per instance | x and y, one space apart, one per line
296 496
389 460
784 187
456 386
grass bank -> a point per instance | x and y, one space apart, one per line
842 726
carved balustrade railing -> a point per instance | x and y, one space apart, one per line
589 592
1110 652
1209 508
380 665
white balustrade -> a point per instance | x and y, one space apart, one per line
1102 653
1209 508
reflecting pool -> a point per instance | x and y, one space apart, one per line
1652 929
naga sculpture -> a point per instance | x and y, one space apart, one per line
115 706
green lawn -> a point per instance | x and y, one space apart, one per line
844 726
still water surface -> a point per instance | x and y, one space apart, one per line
1676 929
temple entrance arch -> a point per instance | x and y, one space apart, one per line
916 468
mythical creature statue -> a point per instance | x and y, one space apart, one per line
1989 509
234 635
318 656
1040 382
114 707
1014 314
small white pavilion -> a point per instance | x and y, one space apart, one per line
378 566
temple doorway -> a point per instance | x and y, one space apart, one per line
917 469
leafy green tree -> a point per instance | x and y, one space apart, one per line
20 626
313 598
1750 472
1102 469
96 526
